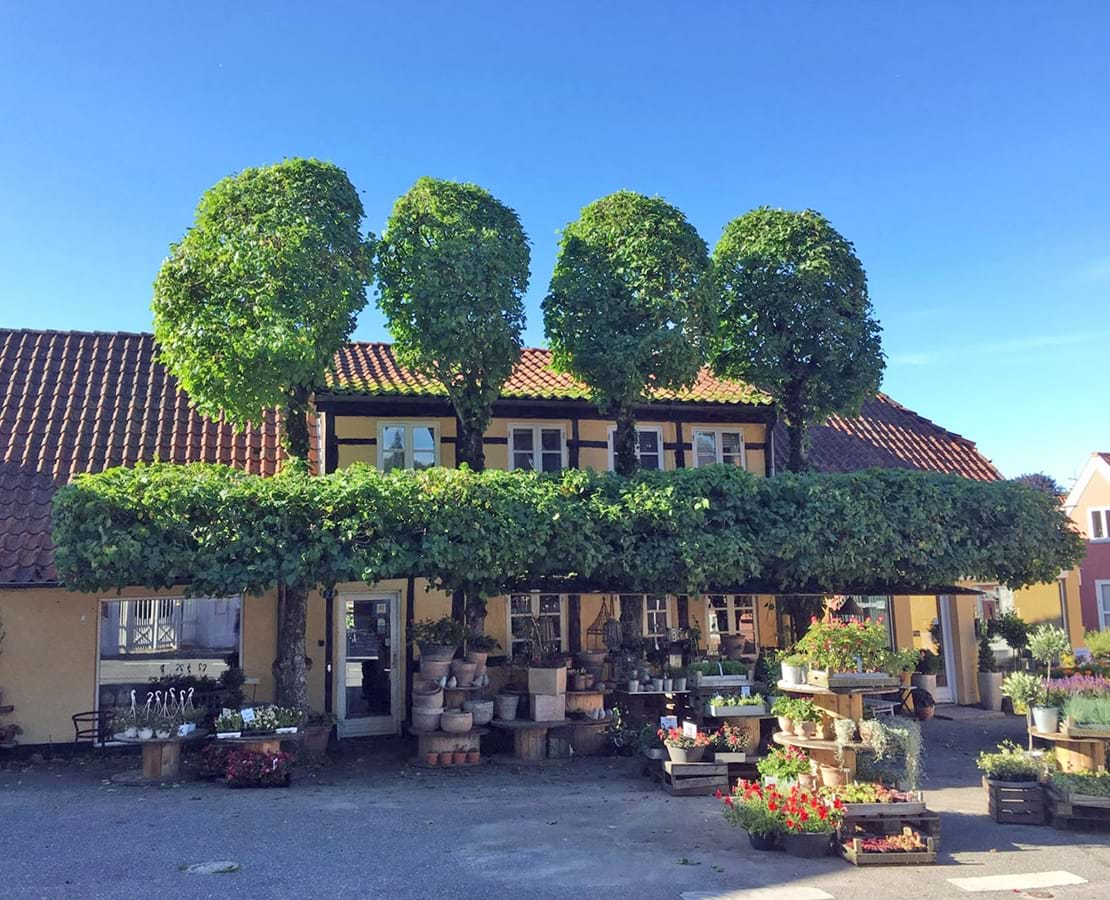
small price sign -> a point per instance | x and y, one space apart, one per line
690 729
668 721
745 691
248 714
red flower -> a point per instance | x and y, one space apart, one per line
772 806
718 795
728 801
789 823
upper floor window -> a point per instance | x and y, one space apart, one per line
407 445
649 447
537 448
718 446
1100 523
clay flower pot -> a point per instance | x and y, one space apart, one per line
833 776
447 758
458 757
456 721
436 651
473 757
431 759
463 671
427 695
805 729
478 657
506 705
435 669
426 719
807 781
785 725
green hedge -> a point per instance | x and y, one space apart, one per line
221 531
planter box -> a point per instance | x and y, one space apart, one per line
1077 729
547 681
1015 802
853 852
547 707
906 808
831 680
733 711
694 779
728 756
700 680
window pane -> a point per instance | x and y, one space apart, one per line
552 462
1098 527
393 459
521 604
648 441
730 447
423 459
705 446
424 438
551 439
549 603
522 461
522 439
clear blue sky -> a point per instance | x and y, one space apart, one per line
963 148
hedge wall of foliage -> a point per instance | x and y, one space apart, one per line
221 531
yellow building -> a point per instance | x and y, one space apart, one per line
80 402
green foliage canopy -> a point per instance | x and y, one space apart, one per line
631 306
453 269
256 298
221 531
795 317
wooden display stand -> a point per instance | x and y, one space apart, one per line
1074 753
161 759
446 741
261 743
529 738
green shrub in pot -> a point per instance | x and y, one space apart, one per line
1009 763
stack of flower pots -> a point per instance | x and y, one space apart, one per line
444 723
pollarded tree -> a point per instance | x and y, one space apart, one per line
796 318
453 269
249 310
631 307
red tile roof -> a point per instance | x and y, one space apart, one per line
73 402
887 435
371 368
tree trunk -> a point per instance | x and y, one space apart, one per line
794 418
475 613
290 686
469 447
624 442
295 433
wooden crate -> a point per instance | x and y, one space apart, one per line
1015 804
1077 811
926 823
852 852
694 779
847 680
898 810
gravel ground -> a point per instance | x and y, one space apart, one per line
370 826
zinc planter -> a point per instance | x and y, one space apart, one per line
633 687
657 685
680 684
925 682
506 706
990 690
668 684
795 675
1046 719
686 754
807 845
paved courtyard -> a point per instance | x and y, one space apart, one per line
368 826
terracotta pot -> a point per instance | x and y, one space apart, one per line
785 725
478 657
814 767
580 682
435 669
506 705
805 729
833 776
456 721
447 758
591 659
459 757
431 759
463 671
436 651
807 781
925 713
824 729
473 757
424 719
427 695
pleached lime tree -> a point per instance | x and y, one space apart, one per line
249 310
795 318
631 306
452 271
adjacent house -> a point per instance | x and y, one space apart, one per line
81 402
1088 504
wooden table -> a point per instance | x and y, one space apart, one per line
161 758
529 738
824 752
1075 753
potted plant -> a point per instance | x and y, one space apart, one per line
846 653
1009 764
782 707
473 757
807 820
651 742
668 682
794 667
287 720
1086 716
438 639
681 747
804 716
926 675
246 768
902 663
782 766
229 724
722 705
1027 693
731 743
990 679
317 732
757 810
1047 644
124 721
164 726
478 649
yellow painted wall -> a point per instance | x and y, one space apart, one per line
1039 604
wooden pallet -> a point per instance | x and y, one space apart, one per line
694 779
1015 804
851 851
1077 811
926 823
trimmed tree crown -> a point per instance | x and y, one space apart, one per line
631 304
256 298
795 313
453 269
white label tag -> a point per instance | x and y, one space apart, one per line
247 714
745 691
668 721
690 729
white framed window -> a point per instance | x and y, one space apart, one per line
407 445
1102 594
537 448
1100 523
649 447
718 445
655 615
733 615
870 606
535 605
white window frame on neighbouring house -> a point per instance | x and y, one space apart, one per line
534 598
718 446
657 430
409 449
537 450
1098 516
1102 602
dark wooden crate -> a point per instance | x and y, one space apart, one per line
1077 812
1016 804
851 852
694 779
927 823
